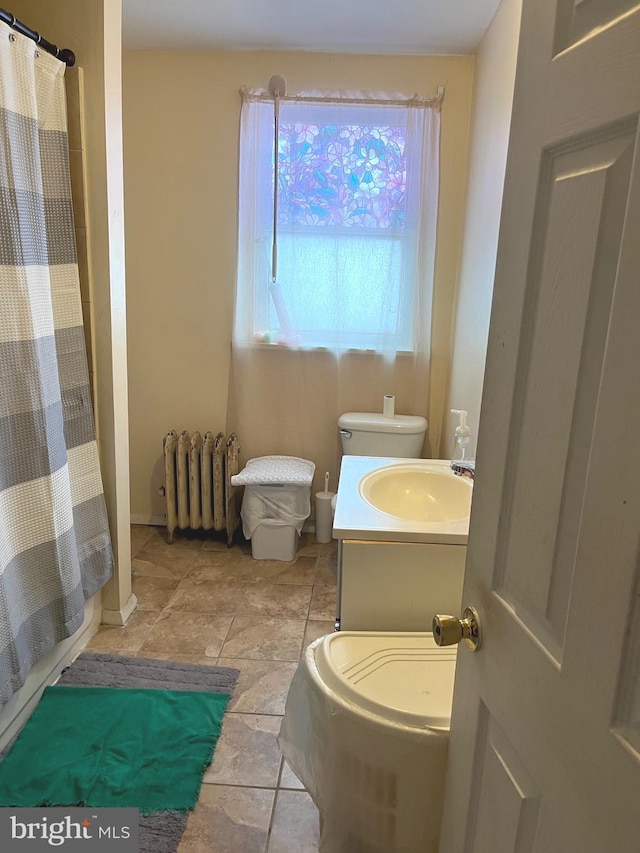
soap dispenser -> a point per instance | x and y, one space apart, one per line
462 432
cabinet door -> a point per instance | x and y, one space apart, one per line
398 586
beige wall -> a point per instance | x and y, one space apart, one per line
181 119
492 99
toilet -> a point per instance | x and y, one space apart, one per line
366 730
366 723
377 434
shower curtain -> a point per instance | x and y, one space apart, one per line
55 550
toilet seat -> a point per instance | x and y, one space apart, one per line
403 678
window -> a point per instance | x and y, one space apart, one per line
350 231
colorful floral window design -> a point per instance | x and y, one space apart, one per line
352 176
357 178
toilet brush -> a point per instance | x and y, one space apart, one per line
324 521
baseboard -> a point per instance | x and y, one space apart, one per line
151 520
119 617
47 671
161 521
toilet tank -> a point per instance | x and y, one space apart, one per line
374 434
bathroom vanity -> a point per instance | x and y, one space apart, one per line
398 586
396 571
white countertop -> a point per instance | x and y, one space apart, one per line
357 519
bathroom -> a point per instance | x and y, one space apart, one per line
162 344
181 260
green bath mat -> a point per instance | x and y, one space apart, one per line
108 747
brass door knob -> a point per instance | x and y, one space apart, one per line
449 630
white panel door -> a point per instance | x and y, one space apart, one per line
545 741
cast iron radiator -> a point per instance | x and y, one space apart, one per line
198 488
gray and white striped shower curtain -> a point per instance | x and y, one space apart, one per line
55 549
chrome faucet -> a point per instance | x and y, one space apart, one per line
464 468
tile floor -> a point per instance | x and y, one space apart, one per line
202 602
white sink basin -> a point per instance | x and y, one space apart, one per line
418 492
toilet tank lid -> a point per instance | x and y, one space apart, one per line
377 422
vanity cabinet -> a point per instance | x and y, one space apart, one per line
397 586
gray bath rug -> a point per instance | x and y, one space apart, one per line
160 832
95 670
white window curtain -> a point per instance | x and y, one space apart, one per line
357 214
349 318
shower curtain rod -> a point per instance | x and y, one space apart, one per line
62 53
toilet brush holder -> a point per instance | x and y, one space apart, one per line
324 519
